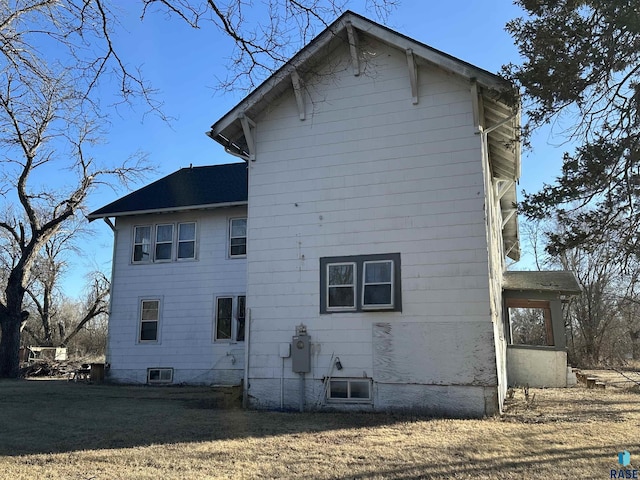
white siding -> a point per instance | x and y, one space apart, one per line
187 290
368 172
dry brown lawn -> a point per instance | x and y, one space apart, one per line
59 430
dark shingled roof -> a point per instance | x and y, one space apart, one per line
562 281
193 187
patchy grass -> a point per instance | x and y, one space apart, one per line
59 430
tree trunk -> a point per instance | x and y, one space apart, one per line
9 345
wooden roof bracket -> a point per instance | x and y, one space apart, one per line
509 214
247 125
413 75
297 90
502 187
477 106
353 47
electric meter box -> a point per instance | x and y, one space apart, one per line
301 353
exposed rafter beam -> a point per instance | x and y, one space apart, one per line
297 90
247 124
413 75
353 47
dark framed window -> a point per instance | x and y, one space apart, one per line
230 319
360 283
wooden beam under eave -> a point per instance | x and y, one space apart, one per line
353 47
413 75
247 123
297 90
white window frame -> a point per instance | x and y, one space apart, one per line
165 375
141 320
150 244
235 318
194 241
377 306
164 242
352 285
231 238
349 399
175 242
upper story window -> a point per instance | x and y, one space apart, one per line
237 237
360 283
164 242
142 244
169 242
186 240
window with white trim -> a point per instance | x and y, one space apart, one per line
159 375
377 284
149 321
186 240
341 286
142 244
349 390
164 242
237 237
230 317
169 242
360 283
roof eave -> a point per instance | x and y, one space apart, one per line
96 215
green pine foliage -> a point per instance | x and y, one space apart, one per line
581 74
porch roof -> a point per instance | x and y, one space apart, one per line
562 281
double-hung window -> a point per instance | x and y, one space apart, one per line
237 237
360 283
164 242
341 286
377 284
230 318
149 320
142 244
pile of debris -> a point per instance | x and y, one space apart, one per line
52 369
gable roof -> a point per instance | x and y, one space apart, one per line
187 189
500 122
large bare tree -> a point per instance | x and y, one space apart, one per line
53 56
57 60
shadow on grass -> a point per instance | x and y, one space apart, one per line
57 416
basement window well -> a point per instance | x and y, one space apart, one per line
349 390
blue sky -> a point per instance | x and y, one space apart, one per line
184 65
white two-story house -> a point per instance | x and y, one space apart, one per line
355 256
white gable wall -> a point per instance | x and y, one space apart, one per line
368 172
187 290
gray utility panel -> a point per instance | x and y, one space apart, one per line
301 353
